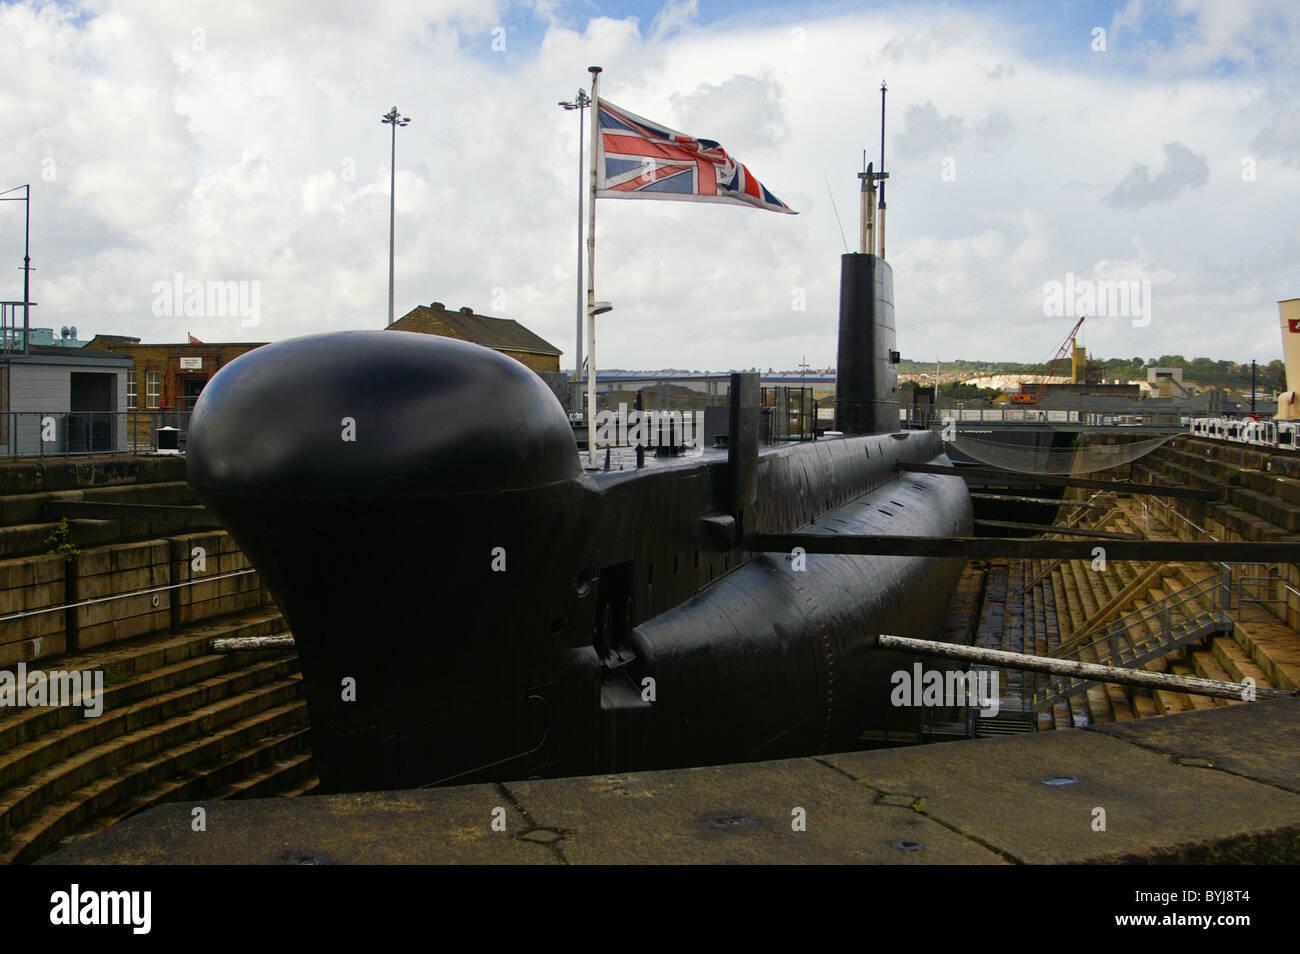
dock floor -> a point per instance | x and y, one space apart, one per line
1220 786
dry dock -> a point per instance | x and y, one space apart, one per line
1178 777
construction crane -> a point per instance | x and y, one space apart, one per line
1024 396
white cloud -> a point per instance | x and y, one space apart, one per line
261 157
673 16
1183 169
1206 34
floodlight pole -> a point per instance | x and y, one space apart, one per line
394 119
27 256
580 103
595 72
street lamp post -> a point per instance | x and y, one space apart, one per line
580 103
394 119
27 256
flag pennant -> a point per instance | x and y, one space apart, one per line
638 159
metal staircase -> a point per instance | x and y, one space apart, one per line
1155 630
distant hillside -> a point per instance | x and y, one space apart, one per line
1202 371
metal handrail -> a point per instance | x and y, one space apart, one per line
1079 515
123 596
1160 610
85 433
1184 519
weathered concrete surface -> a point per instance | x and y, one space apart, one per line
1262 741
1156 809
423 826
1220 786
738 814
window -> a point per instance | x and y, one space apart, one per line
153 383
130 390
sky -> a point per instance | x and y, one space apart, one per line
1030 147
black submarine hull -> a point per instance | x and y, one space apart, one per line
469 605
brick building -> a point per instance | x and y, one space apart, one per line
500 334
166 379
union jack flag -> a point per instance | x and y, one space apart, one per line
638 159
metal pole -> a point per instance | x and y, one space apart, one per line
880 218
595 72
394 119
27 269
867 237
577 374
392 219
1090 671
862 214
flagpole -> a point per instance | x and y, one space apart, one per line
595 72
883 175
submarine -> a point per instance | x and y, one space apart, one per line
470 604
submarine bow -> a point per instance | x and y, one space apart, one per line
393 490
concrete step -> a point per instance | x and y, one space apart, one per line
22 801
1087 602
124 663
1277 512
1195 478
308 786
29 539
1234 520
1273 485
1236 662
1099 698
63 743
289 772
1166 700
31 508
206 781
43 830
1197 702
1274 648
1207 667
1144 705
31 476
1069 613
1192 574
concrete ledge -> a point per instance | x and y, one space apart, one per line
33 475
1217 786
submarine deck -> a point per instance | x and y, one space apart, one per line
622 459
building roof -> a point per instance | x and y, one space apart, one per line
55 354
128 343
501 334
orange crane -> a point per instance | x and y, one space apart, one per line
1024 396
